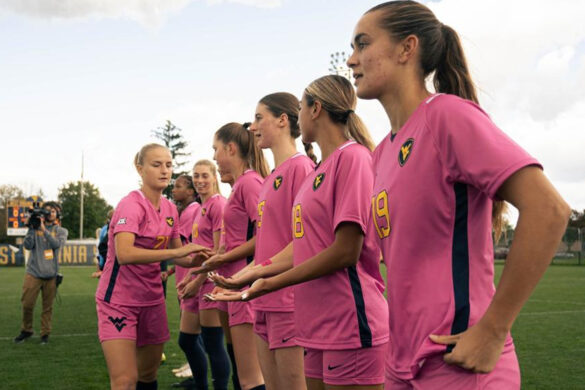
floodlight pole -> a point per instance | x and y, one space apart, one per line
338 65
81 200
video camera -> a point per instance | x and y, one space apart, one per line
35 214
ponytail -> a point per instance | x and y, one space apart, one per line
440 52
255 155
309 150
358 131
338 99
248 149
452 73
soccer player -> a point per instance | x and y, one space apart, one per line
340 311
131 309
276 127
184 195
440 173
206 231
238 155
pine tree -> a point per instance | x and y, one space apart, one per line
172 137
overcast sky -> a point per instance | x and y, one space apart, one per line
98 75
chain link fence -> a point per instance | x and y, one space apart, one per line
570 251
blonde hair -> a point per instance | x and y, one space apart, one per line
139 157
213 171
337 97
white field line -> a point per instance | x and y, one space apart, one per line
564 302
17 297
544 313
60 335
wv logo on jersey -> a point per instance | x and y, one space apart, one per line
318 181
277 182
170 221
405 151
118 322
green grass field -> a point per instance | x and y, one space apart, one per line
549 335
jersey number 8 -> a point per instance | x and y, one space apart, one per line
298 230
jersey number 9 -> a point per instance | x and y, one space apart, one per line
381 214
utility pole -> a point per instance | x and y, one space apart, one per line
81 201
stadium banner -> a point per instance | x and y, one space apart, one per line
73 253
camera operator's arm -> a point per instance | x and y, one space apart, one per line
54 242
29 239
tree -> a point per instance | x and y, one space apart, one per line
95 208
172 137
10 192
577 219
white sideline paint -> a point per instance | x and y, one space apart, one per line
60 335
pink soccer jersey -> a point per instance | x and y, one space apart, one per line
345 309
432 205
186 219
208 220
239 216
137 284
274 221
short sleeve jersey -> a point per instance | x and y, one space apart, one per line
345 309
432 204
273 223
185 228
137 284
239 217
208 220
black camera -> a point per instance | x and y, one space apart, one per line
35 214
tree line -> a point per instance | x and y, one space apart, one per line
95 207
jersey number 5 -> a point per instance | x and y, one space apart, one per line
381 214
298 230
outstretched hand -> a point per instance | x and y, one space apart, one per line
259 287
214 262
233 283
478 349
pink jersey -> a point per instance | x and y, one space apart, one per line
274 222
432 205
345 309
185 230
137 284
239 217
208 220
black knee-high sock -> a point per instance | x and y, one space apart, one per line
218 357
196 358
235 379
147 386
260 387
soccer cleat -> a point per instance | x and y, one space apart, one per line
45 339
188 383
22 336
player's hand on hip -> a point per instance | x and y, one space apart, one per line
478 349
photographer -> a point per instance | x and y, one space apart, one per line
44 239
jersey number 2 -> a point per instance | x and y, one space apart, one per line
161 242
